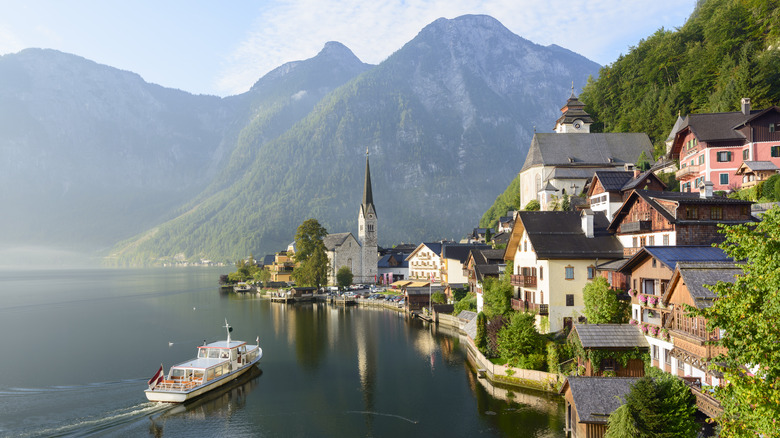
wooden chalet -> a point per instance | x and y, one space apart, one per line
590 401
611 339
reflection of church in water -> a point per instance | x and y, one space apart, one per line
359 255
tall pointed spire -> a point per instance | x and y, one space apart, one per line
368 196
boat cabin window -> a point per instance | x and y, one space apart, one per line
177 373
214 353
197 375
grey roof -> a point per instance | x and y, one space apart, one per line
482 271
641 179
697 275
677 125
559 235
387 261
268 259
716 126
331 241
488 256
669 256
575 109
459 251
502 237
613 265
595 398
564 172
609 149
614 180
610 336
760 165
471 326
467 315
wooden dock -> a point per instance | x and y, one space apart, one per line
343 301
285 300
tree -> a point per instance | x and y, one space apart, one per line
601 303
620 424
481 340
496 296
660 406
310 257
263 276
344 277
468 302
520 344
438 298
748 311
533 205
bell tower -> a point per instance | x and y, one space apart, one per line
574 119
367 232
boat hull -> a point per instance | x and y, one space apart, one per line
166 396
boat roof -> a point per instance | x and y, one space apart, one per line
202 363
223 344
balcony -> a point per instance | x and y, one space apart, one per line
527 306
630 251
687 172
518 305
636 227
523 280
705 402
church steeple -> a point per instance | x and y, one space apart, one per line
368 196
367 232
573 117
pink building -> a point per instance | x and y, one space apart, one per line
712 147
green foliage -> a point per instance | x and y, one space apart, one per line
661 407
556 354
601 303
509 200
643 163
245 269
438 298
621 424
596 356
481 340
310 257
533 205
720 55
468 302
520 344
771 187
344 277
459 293
748 311
263 276
496 296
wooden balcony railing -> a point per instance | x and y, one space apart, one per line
687 172
705 402
636 227
523 280
527 306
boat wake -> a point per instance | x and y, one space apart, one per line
11 392
108 421
383 415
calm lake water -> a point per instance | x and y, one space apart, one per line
78 346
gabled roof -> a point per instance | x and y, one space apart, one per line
559 235
641 179
387 261
680 198
677 125
435 247
482 271
331 241
697 276
610 336
756 166
670 256
613 180
602 149
596 398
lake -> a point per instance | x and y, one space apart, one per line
78 346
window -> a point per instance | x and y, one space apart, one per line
745 154
691 212
655 352
541 272
634 241
569 300
591 272
570 272
724 156
724 179
701 159
608 365
666 240
716 213
775 151
771 127
668 357
525 245
651 240
654 262
680 365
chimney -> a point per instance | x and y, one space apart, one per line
587 222
636 173
746 106
705 190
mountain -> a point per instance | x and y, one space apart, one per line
446 119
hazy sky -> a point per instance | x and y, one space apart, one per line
223 47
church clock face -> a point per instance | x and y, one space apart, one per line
370 216
577 124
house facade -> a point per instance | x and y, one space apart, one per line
425 262
342 250
609 188
554 255
711 147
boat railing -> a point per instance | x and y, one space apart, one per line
179 385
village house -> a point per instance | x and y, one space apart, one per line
712 147
652 218
609 188
618 347
589 401
692 352
425 262
754 172
554 255
393 267
562 162
481 264
283 264
505 223
454 257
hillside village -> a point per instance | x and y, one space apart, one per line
599 215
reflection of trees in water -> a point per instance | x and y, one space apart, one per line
514 410
309 329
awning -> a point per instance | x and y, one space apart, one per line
400 283
418 284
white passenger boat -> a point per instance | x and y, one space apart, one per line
217 364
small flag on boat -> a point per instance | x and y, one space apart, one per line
158 377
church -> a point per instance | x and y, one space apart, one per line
362 254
